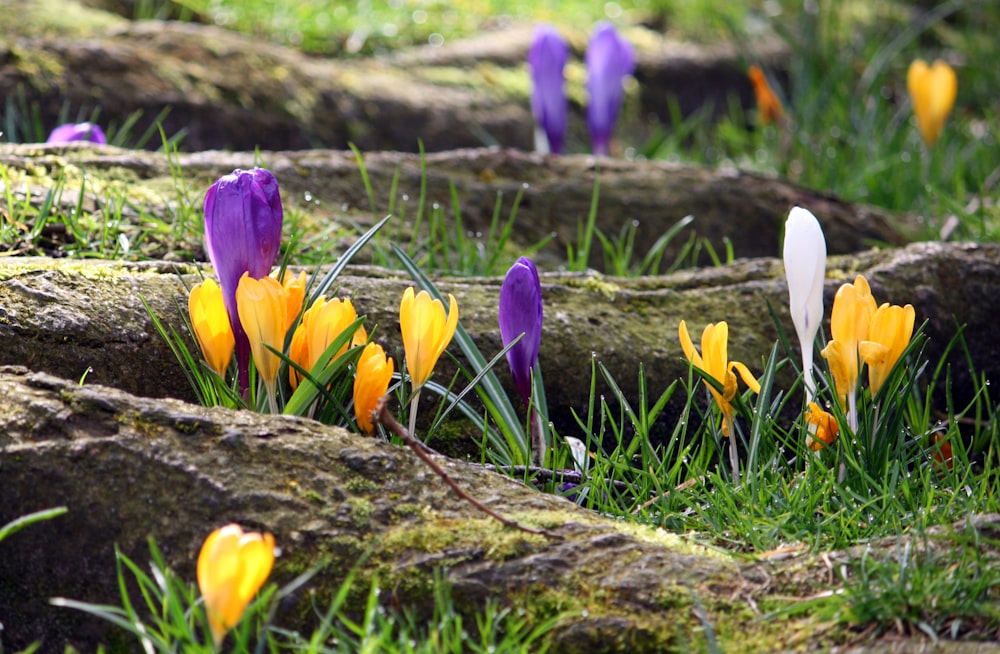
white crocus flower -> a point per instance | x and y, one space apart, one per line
805 270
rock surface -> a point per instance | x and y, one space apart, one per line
128 468
742 209
64 317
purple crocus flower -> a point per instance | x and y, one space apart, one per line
521 312
243 218
547 58
609 60
77 132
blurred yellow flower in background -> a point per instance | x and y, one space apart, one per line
769 109
932 91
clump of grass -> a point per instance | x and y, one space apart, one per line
850 129
170 617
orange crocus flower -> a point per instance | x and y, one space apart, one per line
371 381
769 106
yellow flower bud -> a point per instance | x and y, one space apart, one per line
371 381
853 307
932 91
426 332
232 566
295 293
261 305
321 324
211 325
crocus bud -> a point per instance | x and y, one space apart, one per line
243 218
321 324
609 60
77 132
932 91
295 295
426 330
371 381
211 325
262 307
232 566
769 109
521 313
805 269
547 58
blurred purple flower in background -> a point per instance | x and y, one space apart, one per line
243 217
609 59
521 312
77 132
547 58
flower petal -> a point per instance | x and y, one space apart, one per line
521 312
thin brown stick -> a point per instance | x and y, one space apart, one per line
383 416
537 473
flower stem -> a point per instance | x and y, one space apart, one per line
272 400
413 412
537 438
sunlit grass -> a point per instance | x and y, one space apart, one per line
332 27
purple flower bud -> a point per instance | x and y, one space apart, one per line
521 312
547 58
243 218
609 60
77 132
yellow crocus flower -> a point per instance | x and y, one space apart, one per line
714 361
888 335
210 322
295 294
853 307
371 381
261 306
932 91
426 332
232 566
823 428
321 324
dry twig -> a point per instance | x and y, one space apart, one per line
383 416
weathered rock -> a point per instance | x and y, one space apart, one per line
226 90
64 317
128 468
745 209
